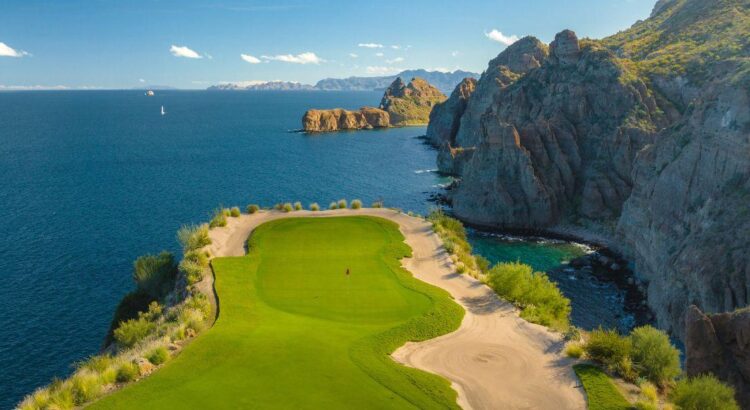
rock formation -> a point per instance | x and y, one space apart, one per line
410 104
339 119
720 344
641 137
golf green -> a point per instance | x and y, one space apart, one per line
296 331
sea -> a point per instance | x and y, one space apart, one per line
90 180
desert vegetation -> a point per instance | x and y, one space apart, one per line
314 207
252 208
356 204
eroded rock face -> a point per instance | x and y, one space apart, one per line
720 345
555 138
410 104
446 116
340 119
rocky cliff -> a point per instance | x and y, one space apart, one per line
338 119
641 137
720 344
410 104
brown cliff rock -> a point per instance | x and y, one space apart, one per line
339 119
410 104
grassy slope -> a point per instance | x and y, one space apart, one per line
602 394
295 332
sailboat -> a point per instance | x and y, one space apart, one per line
162 111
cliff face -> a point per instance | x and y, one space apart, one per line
410 104
720 345
642 136
339 119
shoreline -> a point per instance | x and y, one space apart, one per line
491 339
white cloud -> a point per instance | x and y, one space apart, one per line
141 80
352 55
183 51
8 51
370 45
379 54
440 69
396 47
395 60
501 38
250 59
379 70
304 58
455 53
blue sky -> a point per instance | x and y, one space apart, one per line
125 44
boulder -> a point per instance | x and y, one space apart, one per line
144 366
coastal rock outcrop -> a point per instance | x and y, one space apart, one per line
720 345
410 104
339 119
641 137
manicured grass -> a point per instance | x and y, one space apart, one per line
600 391
295 331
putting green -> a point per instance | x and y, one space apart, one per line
295 331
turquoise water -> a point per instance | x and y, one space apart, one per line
91 180
594 302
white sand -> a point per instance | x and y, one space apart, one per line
495 360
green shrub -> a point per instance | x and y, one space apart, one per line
645 405
377 204
193 319
538 298
314 207
650 394
342 204
654 356
356 204
218 220
132 331
198 257
109 375
252 208
234 212
61 397
703 393
298 206
483 264
158 355
96 363
36 401
226 211
193 237
128 308
574 350
610 349
192 271
154 275
85 386
199 302
287 207
127 372
332 205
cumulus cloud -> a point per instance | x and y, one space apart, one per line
396 47
250 59
370 45
8 51
183 51
455 53
395 60
379 54
352 55
380 70
304 58
496 35
141 80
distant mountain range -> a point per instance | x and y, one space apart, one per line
444 81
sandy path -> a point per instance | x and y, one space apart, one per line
495 360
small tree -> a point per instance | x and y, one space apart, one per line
356 204
314 206
154 275
654 356
703 393
252 208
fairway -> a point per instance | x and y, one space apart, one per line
296 331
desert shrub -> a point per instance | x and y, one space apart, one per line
193 319
132 331
538 298
158 355
252 208
154 274
193 237
128 308
199 302
703 393
127 372
645 405
377 204
278 206
314 206
218 219
96 363
85 386
609 348
35 401
356 204
483 264
61 396
109 375
449 246
298 206
654 356
460 267
574 350
198 257
287 207
192 271
649 393
342 204
234 212
333 205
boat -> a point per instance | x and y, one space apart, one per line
162 111
149 93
